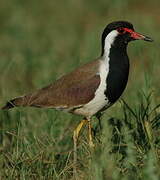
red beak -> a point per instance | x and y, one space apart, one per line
138 36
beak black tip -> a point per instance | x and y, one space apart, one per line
148 39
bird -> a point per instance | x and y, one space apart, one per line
92 87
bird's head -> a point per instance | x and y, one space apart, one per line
119 33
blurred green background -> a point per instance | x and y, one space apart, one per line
42 40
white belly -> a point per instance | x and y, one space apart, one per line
92 107
99 101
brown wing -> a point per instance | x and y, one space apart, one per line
72 90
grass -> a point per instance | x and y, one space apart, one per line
41 41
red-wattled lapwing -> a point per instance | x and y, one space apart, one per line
92 87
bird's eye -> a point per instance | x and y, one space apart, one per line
121 30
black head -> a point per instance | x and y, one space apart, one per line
121 32
118 24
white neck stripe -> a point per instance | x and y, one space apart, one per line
108 42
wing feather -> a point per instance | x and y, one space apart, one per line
72 90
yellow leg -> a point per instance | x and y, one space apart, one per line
91 144
79 127
75 138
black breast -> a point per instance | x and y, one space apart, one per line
118 73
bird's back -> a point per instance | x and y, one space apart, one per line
70 91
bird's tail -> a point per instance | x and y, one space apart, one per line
19 101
